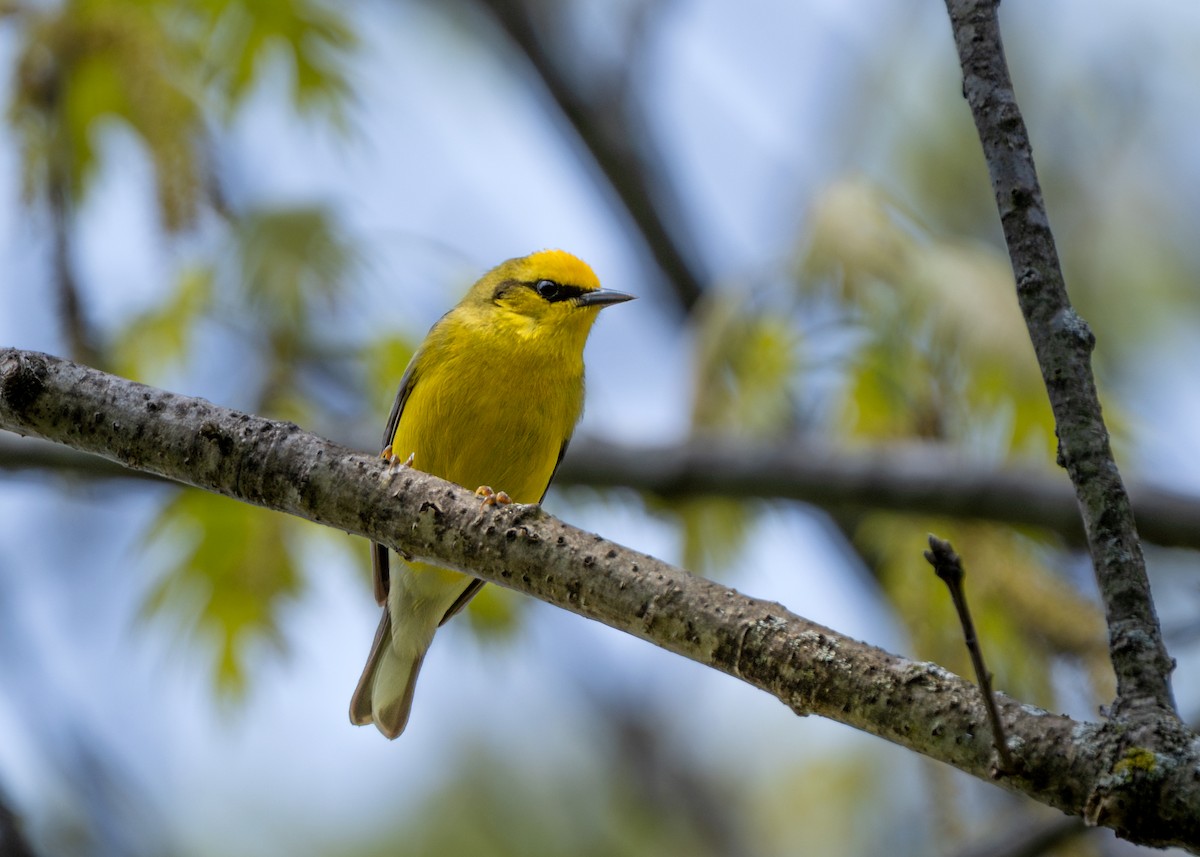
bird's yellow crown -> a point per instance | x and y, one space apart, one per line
561 267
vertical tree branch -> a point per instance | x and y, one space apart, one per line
72 313
1063 344
76 330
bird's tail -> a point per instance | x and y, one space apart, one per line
385 691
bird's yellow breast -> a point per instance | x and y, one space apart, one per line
487 410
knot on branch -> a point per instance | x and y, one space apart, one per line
1068 323
1144 795
22 380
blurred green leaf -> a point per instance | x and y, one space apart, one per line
747 360
745 363
714 531
233 569
85 62
495 613
159 338
385 359
945 352
608 810
292 262
243 35
160 66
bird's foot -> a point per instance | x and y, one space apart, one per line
491 498
394 464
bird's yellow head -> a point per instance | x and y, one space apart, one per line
548 293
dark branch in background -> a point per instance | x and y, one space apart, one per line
923 479
1063 344
77 332
12 839
1028 840
608 126
666 779
1061 762
948 567
913 479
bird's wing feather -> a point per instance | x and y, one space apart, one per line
459 603
562 450
380 571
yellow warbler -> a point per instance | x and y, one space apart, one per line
489 399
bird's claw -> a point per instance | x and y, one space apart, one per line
491 498
394 464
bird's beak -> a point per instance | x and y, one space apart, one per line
602 298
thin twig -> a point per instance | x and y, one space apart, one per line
1063 344
948 566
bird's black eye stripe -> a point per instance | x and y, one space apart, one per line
554 292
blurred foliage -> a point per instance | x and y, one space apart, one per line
161 338
945 353
639 796
86 62
1027 617
746 359
292 263
495 613
284 270
233 566
641 791
172 73
943 356
239 38
746 356
794 811
164 69
939 354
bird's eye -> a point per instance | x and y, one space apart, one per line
548 289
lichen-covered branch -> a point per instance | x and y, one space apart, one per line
1063 344
1149 795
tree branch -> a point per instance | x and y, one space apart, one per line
72 314
1151 797
922 479
1063 344
13 842
917 478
